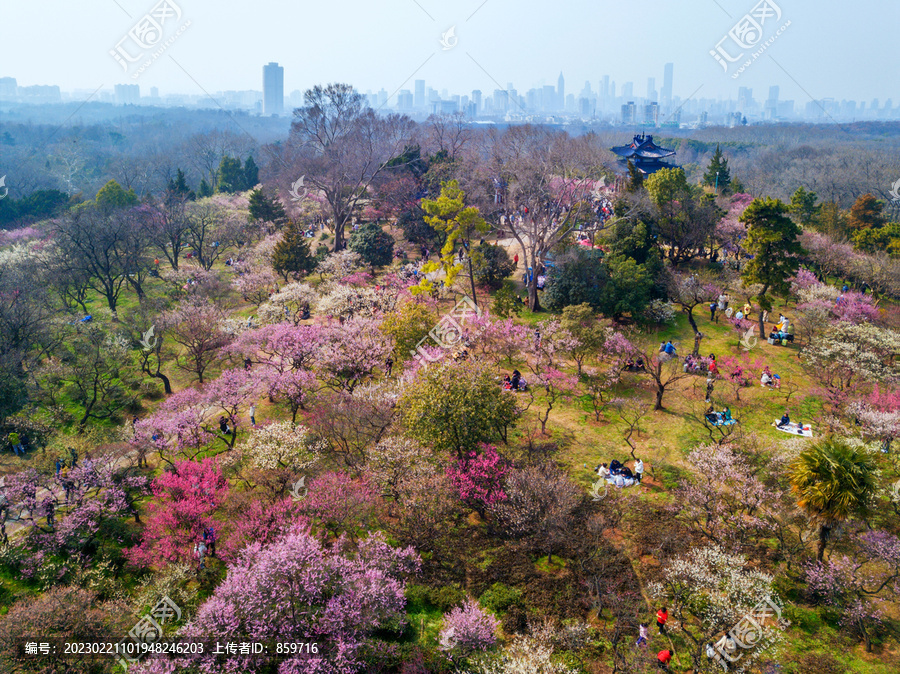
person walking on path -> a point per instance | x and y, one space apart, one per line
59 466
74 455
209 537
16 443
662 617
639 469
712 313
710 384
643 636
253 414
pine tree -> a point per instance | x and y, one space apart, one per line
231 175
375 246
264 209
204 190
178 187
803 206
635 178
718 171
291 255
251 173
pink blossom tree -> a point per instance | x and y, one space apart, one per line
856 586
296 589
254 286
557 386
195 325
351 353
281 346
185 501
339 504
260 521
468 628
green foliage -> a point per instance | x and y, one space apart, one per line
444 597
205 190
499 597
635 178
231 175
410 159
38 205
291 256
803 206
506 302
251 173
457 406
772 240
450 215
112 196
614 285
178 187
406 326
491 264
877 239
417 231
375 246
718 171
265 209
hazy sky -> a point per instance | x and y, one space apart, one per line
830 49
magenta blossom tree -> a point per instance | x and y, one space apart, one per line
281 346
185 501
478 478
296 589
351 353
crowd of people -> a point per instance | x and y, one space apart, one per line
515 382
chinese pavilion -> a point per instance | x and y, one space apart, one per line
646 155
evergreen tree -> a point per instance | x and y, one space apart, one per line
111 195
251 173
375 246
635 178
718 170
772 241
866 213
803 206
292 255
231 175
178 187
205 190
264 209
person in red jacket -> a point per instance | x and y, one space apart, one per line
663 660
662 616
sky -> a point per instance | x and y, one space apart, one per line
827 48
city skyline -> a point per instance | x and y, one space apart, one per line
471 45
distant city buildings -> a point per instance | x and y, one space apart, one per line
273 89
607 105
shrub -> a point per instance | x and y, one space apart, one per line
500 597
469 628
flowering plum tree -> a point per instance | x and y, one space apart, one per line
478 477
469 628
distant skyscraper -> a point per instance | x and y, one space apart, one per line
651 89
549 99
476 100
501 101
154 92
561 92
7 88
628 90
668 74
273 89
604 89
419 96
128 93
629 111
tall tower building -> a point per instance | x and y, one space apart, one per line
419 96
651 89
668 74
561 93
273 89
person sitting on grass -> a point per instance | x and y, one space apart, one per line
785 420
726 414
507 383
615 467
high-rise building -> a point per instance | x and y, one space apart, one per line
154 92
651 89
404 100
651 114
745 99
604 89
560 93
548 98
128 94
628 90
501 101
668 75
273 89
7 88
629 111
771 108
419 96
476 100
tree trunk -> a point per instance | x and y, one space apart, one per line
167 385
533 302
824 531
659 398
762 326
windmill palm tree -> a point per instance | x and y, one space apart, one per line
832 482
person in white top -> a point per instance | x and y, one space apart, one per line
603 471
639 469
